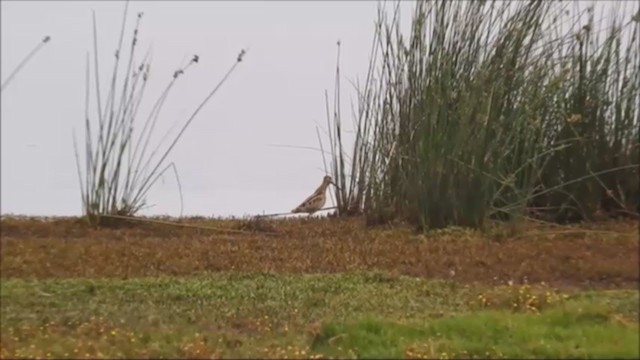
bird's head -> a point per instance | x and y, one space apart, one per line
328 180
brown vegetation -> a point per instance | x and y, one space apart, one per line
595 255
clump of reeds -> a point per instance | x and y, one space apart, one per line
348 172
120 165
491 109
598 97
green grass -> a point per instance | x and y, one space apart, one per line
249 315
577 331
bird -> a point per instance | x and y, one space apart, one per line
316 201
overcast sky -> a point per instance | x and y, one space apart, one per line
225 161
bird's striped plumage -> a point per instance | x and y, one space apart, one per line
316 200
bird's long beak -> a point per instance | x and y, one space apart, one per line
337 187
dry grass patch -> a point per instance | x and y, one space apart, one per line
602 255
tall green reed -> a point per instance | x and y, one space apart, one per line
24 62
599 97
349 171
468 116
120 166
